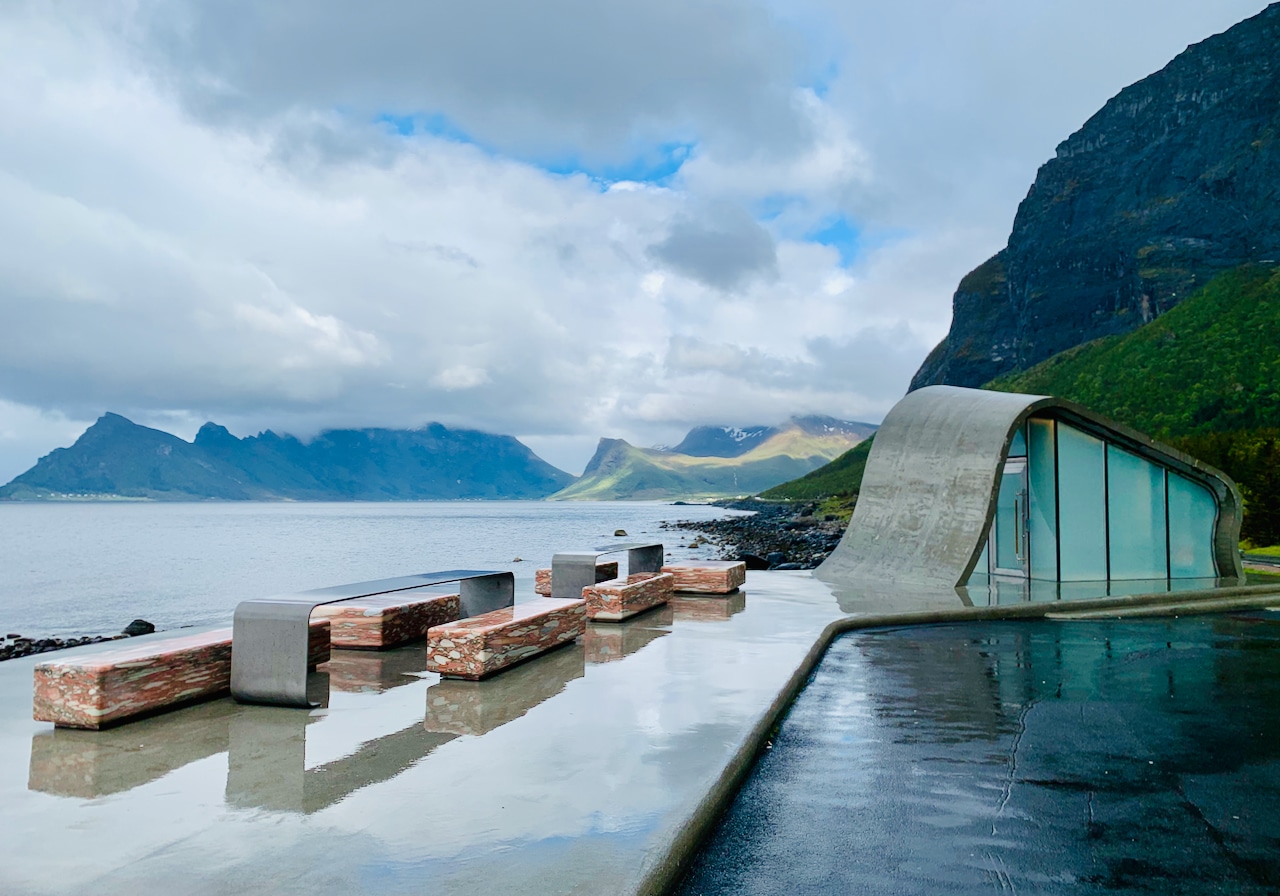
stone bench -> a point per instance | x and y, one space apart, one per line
381 621
98 690
619 599
270 662
479 646
708 576
605 570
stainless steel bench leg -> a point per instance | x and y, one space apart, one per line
269 652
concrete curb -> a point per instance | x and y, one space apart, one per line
669 868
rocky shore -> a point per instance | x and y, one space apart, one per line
13 646
776 535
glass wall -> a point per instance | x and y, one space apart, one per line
1042 508
1096 512
1082 506
1135 516
1193 513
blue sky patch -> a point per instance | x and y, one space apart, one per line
840 234
655 165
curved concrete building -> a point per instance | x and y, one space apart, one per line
964 486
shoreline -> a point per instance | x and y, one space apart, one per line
776 535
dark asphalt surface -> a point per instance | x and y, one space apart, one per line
1038 757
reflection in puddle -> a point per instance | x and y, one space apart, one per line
607 642
366 671
1095 757
88 764
991 591
708 607
458 707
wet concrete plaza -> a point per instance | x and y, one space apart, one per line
1045 757
1039 754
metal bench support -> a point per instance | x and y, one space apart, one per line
269 634
571 571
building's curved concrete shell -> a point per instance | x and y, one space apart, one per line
929 491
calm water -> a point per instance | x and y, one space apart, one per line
1035 757
91 568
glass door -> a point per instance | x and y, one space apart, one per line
1008 549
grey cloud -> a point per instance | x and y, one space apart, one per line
875 363
575 76
723 247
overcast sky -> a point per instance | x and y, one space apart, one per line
558 220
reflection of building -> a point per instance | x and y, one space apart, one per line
964 485
457 706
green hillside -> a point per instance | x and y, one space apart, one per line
621 471
842 477
1205 377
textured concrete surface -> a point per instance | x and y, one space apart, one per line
1075 758
576 773
928 493
561 776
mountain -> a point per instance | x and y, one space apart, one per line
620 471
734 441
722 441
842 477
1202 376
116 457
1174 180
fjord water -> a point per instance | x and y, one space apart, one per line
90 568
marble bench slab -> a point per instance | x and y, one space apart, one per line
619 599
708 576
481 645
605 570
386 620
98 690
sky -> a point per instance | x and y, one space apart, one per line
561 220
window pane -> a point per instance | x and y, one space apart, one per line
1018 447
1081 506
1135 510
1008 520
1193 513
1043 509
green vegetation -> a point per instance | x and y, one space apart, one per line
1204 377
621 471
840 478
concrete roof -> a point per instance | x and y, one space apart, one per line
928 493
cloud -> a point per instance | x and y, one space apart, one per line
561 77
721 246
559 221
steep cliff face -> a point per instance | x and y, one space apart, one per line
1176 179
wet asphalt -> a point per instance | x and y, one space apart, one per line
1023 757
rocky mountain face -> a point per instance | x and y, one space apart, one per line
116 457
1174 180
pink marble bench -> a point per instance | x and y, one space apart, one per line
605 570
386 620
619 599
98 690
482 645
708 576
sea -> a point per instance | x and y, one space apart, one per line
90 568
